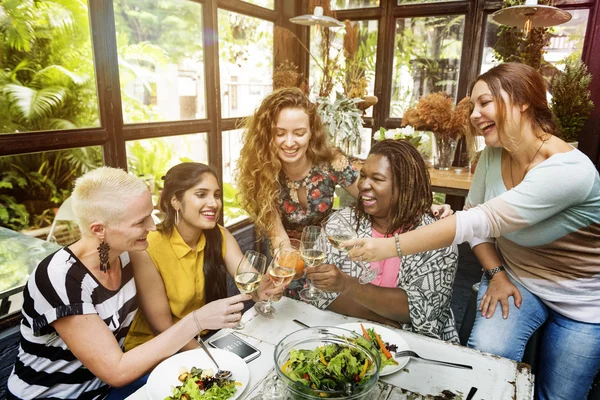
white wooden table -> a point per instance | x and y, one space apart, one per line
494 377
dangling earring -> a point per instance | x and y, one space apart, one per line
176 217
103 249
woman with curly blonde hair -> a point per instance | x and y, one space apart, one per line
287 171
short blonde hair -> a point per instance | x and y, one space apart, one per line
103 195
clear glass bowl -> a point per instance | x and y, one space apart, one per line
310 339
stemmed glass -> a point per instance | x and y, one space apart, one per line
312 250
249 274
338 229
281 273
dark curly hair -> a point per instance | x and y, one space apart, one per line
411 188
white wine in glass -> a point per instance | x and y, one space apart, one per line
312 250
281 275
281 272
249 274
337 238
338 229
248 282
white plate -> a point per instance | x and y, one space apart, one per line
387 335
164 376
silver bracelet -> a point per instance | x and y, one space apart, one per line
398 250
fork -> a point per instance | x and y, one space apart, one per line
410 353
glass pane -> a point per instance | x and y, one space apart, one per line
33 186
426 59
150 159
246 62
161 60
47 77
354 75
263 3
565 40
232 146
347 4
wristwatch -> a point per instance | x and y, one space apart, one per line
489 273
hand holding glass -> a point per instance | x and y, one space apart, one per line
312 250
281 273
338 229
249 273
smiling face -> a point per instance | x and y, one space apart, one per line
292 135
129 234
200 205
375 186
490 121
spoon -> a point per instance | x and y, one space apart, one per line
221 374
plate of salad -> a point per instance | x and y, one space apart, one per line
190 375
391 341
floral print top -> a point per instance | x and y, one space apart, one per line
320 183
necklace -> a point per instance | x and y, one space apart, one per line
528 165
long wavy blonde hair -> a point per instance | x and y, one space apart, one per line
259 189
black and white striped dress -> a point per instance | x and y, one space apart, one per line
61 286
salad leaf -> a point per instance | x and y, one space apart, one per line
327 368
384 360
200 385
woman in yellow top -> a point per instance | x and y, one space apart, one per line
185 265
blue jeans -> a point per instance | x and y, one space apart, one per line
569 350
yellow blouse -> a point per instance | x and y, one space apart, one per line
182 272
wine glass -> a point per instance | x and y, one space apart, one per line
312 250
249 273
338 229
281 273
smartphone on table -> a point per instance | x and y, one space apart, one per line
235 345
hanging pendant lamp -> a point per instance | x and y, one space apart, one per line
317 18
531 15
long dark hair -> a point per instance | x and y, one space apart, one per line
411 188
178 180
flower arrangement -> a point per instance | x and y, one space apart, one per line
435 112
416 138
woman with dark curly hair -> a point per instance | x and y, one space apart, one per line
287 171
414 290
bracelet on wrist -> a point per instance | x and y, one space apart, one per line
197 322
489 273
397 240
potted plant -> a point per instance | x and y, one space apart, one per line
571 103
435 112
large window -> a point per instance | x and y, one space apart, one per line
33 186
349 65
47 78
161 60
232 146
427 54
246 62
564 41
150 159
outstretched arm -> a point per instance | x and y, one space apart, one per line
430 237
90 340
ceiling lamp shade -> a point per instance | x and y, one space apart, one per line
531 15
317 18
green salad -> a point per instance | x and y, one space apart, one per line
331 367
200 384
385 349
